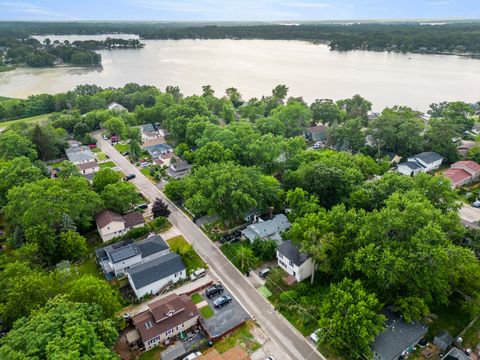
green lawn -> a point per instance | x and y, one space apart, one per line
264 291
108 164
32 119
450 318
206 312
101 156
89 267
197 298
122 147
153 354
241 337
189 256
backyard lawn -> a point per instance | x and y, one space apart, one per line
32 119
189 256
206 312
197 298
241 337
450 318
89 267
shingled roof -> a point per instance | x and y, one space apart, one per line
291 252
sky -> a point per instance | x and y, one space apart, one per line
237 10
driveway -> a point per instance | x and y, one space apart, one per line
225 318
290 344
469 216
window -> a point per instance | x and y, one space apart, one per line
280 255
169 332
148 324
291 263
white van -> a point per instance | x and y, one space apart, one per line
192 356
197 274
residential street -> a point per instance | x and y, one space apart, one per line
290 344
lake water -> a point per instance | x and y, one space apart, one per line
256 66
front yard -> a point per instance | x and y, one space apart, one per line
242 336
189 256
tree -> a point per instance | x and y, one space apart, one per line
349 318
92 290
295 116
72 245
120 196
175 92
62 329
348 136
68 169
228 112
49 201
24 289
226 189
160 208
326 111
45 238
440 137
212 152
13 145
48 141
280 92
17 172
398 130
115 126
103 178
135 150
264 249
234 96
356 107
207 91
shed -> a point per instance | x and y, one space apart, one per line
443 340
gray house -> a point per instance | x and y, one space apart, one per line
155 275
316 133
179 169
270 229
398 337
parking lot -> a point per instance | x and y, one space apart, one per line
225 318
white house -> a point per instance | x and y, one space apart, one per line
423 162
148 132
80 155
165 318
270 229
116 107
295 263
111 224
116 258
90 167
153 276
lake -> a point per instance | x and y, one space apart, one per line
256 66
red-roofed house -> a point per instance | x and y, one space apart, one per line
462 173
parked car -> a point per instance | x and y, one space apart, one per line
197 274
222 300
125 153
314 336
270 358
145 164
235 236
226 238
193 356
129 177
142 206
214 290
476 204
105 137
318 145
263 273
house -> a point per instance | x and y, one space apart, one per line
165 319
116 107
235 353
397 337
476 129
111 224
90 167
462 173
455 354
423 162
316 133
295 263
116 258
178 169
148 132
80 154
153 276
372 116
158 150
465 146
270 229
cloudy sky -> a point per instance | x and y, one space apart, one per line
236 10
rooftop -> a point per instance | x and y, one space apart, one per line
317 129
398 336
411 165
469 164
152 245
154 270
146 128
267 228
133 219
457 175
455 354
428 157
291 252
158 149
80 156
105 217
88 165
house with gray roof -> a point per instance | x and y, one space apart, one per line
398 337
155 275
455 354
423 162
148 132
116 258
295 263
114 106
158 150
178 169
269 229
80 155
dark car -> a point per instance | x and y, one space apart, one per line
129 177
125 153
226 238
142 206
222 300
214 290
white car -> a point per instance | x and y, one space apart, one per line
145 164
476 204
197 274
193 356
314 336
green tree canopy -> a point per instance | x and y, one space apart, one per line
13 145
120 196
103 178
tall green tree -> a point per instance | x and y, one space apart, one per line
13 145
120 196
103 178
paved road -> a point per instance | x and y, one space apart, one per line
290 343
469 216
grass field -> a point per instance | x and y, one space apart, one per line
241 337
189 256
108 164
206 312
197 298
32 119
122 147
